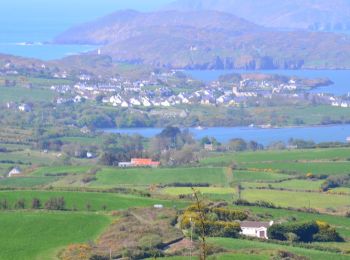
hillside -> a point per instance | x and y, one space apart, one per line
208 40
319 15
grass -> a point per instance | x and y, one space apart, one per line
203 190
148 176
79 200
28 156
277 156
18 94
298 199
242 176
26 182
40 235
328 168
341 223
291 184
41 172
244 245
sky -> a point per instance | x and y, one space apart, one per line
41 18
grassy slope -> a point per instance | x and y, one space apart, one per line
26 182
329 168
297 199
278 156
147 176
79 200
341 223
290 184
23 94
38 235
237 244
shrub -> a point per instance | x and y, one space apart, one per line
304 232
36 204
55 204
20 204
230 215
150 241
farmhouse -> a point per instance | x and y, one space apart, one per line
255 229
15 171
139 162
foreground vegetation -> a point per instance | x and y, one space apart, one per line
63 203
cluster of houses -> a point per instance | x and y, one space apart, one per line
139 162
339 102
118 92
23 107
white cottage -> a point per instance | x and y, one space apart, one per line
255 228
15 171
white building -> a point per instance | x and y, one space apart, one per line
124 104
134 102
15 171
146 102
255 229
24 108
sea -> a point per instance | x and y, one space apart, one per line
27 28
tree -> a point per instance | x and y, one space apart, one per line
237 145
36 204
20 204
4 204
55 204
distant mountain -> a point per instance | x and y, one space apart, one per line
208 40
320 15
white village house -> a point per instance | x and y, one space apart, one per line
255 228
15 171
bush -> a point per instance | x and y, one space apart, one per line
230 215
36 204
150 241
55 204
304 232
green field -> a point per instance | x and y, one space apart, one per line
26 182
203 190
18 94
298 199
278 156
244 245
147 176
245 176
342 224
328 168
290 184
40 235
79 200
41 172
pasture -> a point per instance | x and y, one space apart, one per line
244 245
40 235
109 177
298 199
79 200
340 154
19 94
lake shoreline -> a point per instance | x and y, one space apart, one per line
265 136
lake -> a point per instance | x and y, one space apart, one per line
264 136
341 78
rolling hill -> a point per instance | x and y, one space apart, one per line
319 15
208 40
